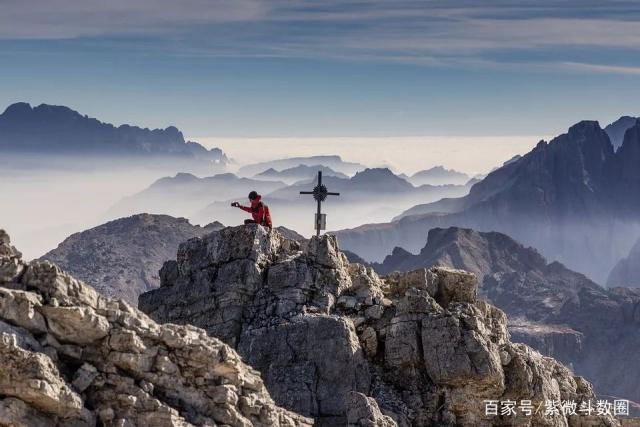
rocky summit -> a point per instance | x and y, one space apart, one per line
72 357
336 342
121 258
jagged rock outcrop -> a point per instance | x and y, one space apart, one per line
336 342
121 258
557 311
72 357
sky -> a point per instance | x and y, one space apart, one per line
292 69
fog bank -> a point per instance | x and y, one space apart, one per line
472 155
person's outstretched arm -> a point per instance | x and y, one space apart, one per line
244 208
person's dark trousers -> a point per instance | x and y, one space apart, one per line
249 221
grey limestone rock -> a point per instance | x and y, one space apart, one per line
72 357
336 342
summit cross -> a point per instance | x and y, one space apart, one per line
320 194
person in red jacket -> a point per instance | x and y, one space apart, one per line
258 210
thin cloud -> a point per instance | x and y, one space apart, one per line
601 68
434 33
62 19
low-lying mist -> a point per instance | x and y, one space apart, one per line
45 199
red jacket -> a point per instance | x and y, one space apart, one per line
259 211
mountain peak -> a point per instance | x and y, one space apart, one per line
585 127
468 249
121 258
376 174
617 129
383 179
438 175
17 109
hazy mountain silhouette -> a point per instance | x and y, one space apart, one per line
184 194
334 162
574 198
438 175
556 310
372 194
369 184
298 173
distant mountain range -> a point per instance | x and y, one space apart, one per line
438 175
57 130
184 194
122 258
369 183
574 198
375 193
371 193
298 173
558 311
334 162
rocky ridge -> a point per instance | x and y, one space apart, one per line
52 129
121 258
336 342
557 311
72 357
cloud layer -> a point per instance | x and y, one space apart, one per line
567 34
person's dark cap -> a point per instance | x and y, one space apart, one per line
253 195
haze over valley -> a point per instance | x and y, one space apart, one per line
87 172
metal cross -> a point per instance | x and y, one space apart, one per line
320 194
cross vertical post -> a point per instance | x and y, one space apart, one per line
320 194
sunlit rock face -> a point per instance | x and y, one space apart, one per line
72 357
336 342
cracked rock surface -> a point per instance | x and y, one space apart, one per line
72 357
336 342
